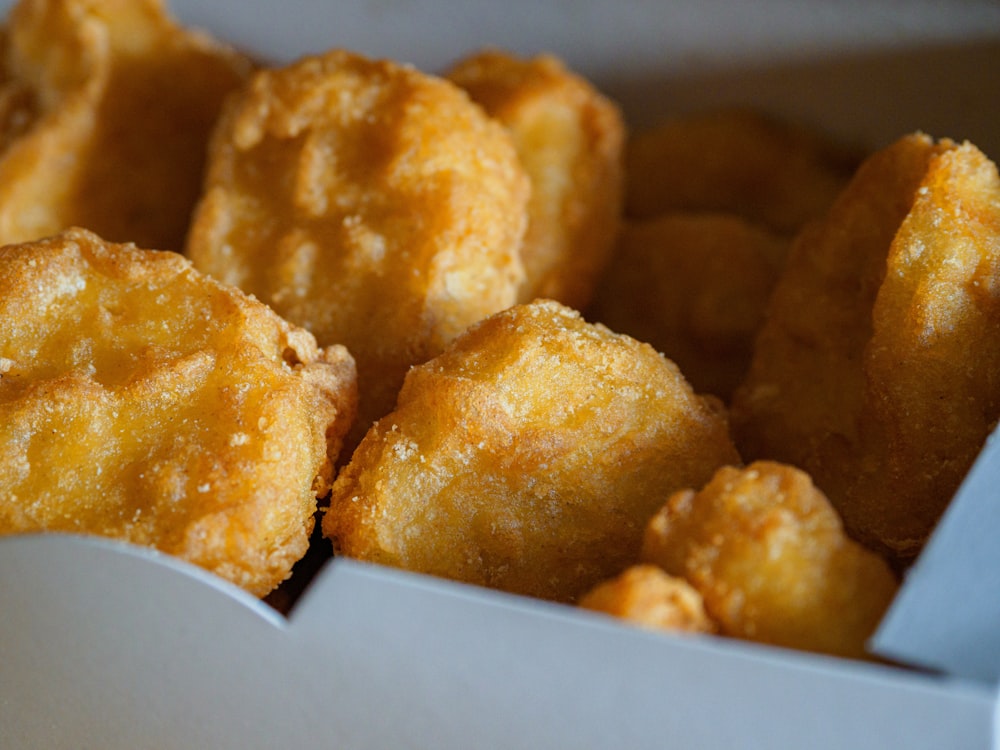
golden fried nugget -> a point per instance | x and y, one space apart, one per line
527 457
877 368
570 139
694 286
802 398
769 555
108 106
374 205
769 171
933 361
143 401
647 596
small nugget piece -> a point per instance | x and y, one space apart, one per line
769 171
877 369
769 555
694 286
570 139
143 401
372 204
527 457
107 108
648 597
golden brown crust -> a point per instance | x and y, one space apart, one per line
109 106
144 401
769 555
372 204
876 369
570 139
933 361
527 457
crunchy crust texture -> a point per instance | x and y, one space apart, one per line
527 457
768 553
877 367
370 203
143 401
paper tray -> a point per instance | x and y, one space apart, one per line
105 645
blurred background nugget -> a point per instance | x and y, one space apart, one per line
694 286
372 204
570 140
527 457
772 172
877 369
713 199
106 108
769 555
144 401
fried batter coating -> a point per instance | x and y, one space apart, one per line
769 555
527 457
109 105
647 596
878 369
769 171
694 286
143 401
570 139
372 204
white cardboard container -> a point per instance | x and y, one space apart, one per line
107 646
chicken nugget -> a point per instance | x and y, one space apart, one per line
647 596
108 107
144 401
878 367
527 457
769 555
770 171
694 286
370 203
570 139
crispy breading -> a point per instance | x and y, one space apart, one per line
144 401
770 171
647 596
570 138
107 107
694 286
878 368
768 553
370 203
526 457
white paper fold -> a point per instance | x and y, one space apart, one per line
111 647
947 614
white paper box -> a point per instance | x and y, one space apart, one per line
106 646
947 616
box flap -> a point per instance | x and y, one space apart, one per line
947 614
104 645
